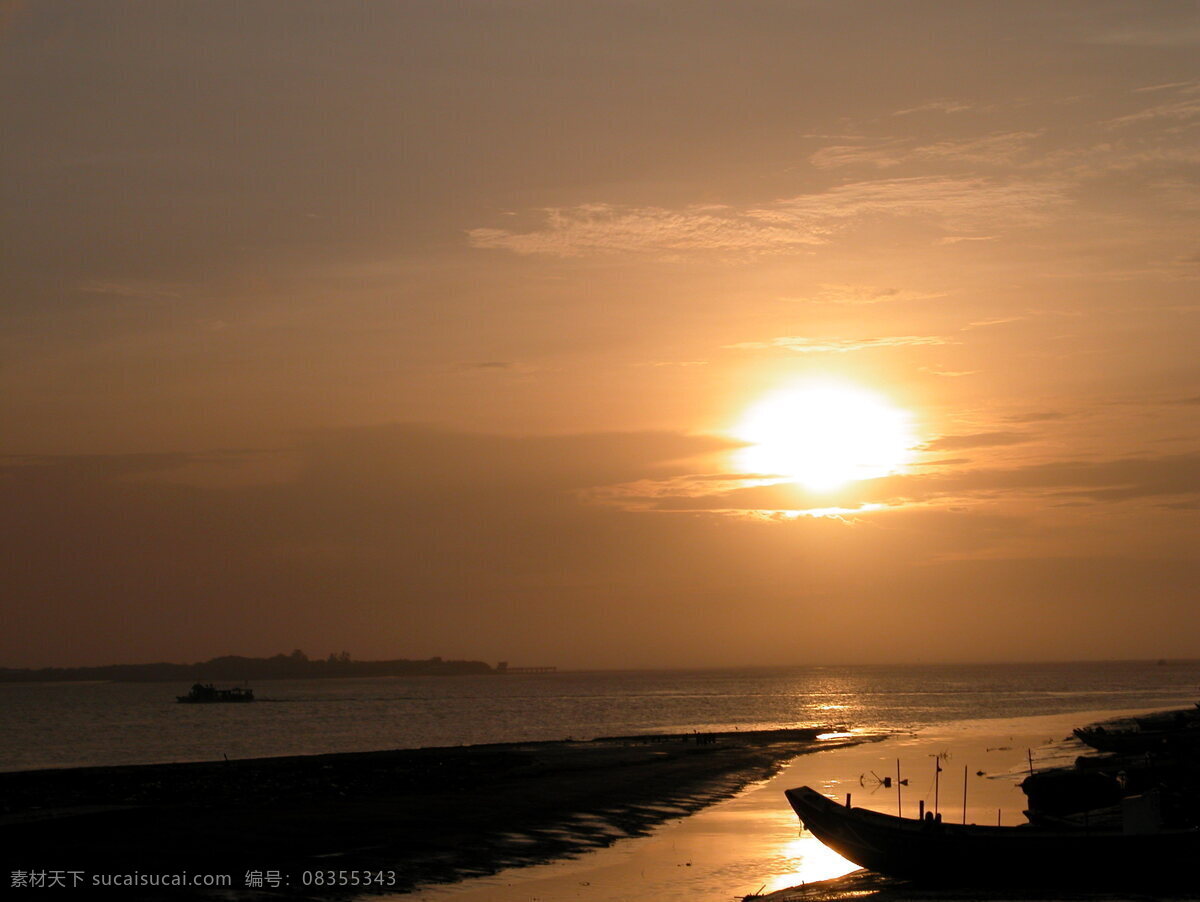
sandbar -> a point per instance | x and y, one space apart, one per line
417 816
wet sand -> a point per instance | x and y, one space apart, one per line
663 818
426 816
752 843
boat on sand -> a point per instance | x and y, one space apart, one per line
930 850
1126 742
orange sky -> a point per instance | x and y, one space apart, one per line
426 328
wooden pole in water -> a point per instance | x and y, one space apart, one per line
937 773
899 803
964 793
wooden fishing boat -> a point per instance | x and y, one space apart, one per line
1103 781
1127 742
932 851
1067 790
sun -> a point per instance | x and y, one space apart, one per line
824 435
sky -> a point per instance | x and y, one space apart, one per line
435 328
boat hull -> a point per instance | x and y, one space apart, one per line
969 855
1126 742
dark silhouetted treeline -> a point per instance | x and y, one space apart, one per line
295 666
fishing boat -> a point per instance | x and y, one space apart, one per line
1097 782
930 850
1137 741
1069 790
207 693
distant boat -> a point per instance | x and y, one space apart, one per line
933 851
207 693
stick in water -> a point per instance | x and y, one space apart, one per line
964 793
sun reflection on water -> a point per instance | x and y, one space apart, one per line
808 860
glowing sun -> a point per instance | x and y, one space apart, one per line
825 435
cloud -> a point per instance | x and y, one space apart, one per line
406 532
838 155
977 440
1172 480
1186 105
950 374
996 321
1041 416
787 225
936 106
996 149
409 541
866 294
1121 479
958 239
954 203
1179 109
1165 87
1149 34
802 345
1001 148
605 228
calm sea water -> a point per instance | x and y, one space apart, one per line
74 724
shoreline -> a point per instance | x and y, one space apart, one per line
431 816
752 846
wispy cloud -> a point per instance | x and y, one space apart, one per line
992 150
786 225
936 106
1038 416
865 294
885 156
1185 105
606 228
950 374
959 239
802 345
1148 34
958 204
1149 89
996 321
1112 480
977 440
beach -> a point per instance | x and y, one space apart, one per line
752 844
697 816
333 826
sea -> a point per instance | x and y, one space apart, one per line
76 724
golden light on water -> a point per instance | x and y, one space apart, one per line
824 435
809 861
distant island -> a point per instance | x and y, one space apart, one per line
235 668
